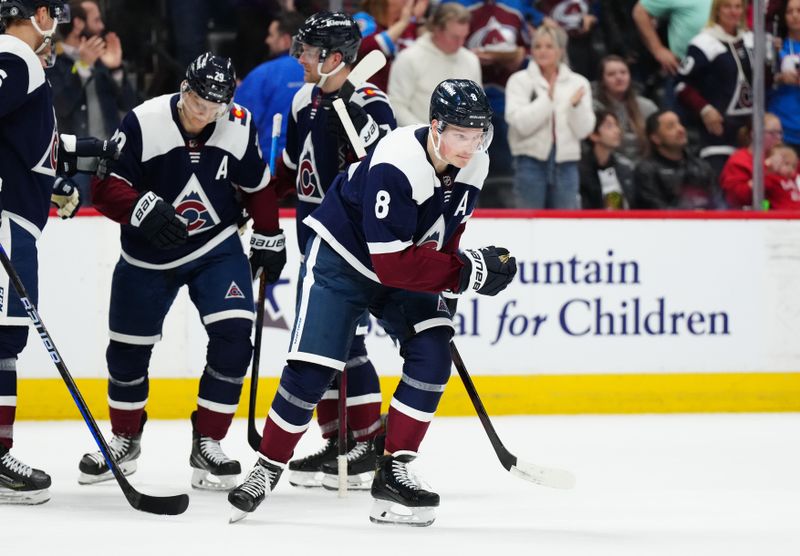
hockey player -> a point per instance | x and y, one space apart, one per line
29 152
326 46
387 237
186 158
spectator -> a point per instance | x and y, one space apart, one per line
89 83
91 90
499 36
715 80
685 20
389 26
579 19
270 88
614 92
606 177
549 111
784 101
436 56
671 177
780 183
622 38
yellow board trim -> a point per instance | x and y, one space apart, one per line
175 398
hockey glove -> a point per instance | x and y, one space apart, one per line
365 125
66 196
487 270
267 255
90 150
158 221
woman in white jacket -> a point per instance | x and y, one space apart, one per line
549 111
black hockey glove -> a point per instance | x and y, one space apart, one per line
66 196
267 255
366 127
158 221
487 270
84 154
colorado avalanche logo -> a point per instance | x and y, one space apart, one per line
193 205
494 36
308 188
47 164
433 238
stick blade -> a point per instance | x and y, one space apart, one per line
366 68
159 505
543 476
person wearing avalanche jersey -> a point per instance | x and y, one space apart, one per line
186 160
387 237
326 46
29 157
499 36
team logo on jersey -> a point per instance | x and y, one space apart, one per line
308 187
193 204
234 292
494 35
442 305
47 164
432 239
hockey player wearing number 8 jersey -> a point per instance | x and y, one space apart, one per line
316 150
387 239
186 159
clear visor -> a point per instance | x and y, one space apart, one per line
200 107
310 53
466 140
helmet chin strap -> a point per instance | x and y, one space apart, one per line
437 142
324 76
46 35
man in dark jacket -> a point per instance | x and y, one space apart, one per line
671 177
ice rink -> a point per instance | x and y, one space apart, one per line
703 485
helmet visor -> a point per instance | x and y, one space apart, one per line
201 108
310 53
466 140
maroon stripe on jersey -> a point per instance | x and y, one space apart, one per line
213 423
125 422
403 432
114 197
278 444
263 207
418 269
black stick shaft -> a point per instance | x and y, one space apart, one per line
253 436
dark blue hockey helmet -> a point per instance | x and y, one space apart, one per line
330 32
24 9
212 78
461 102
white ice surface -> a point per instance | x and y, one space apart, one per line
703 485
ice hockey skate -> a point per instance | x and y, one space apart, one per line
212 468
398 494
20 483
124 449
307 472
246 497
361 462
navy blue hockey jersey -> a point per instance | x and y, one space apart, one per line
310 150
394 204
28 136
200 176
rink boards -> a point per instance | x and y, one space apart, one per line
652 312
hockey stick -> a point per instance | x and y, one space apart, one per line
253 437
544 476
367 67
162 505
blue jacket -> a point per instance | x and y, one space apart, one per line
267 90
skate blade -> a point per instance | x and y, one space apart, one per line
237 514
362 481
305 479
384 512
24 497
203 480
127 468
